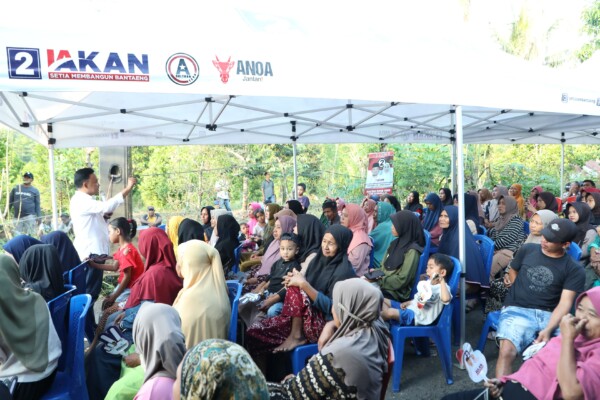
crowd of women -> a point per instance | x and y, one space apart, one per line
299 278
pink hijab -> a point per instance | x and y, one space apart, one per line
357 223
341 204
538 374
252 220
369 206
272 253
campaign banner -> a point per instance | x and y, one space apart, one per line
380 173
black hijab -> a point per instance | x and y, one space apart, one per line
207 227
414 206
324 272
18 245
410 236
310 231
583 224
41 270
470 206
66 251
228 230
550 200
189 230
448 197
295 206
393 201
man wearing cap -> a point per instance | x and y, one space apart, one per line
152 218
543 282
25 202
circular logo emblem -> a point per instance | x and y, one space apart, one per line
182 69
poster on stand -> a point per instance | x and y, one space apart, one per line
380 173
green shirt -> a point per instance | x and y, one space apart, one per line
399 282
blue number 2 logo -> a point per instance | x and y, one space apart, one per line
23 63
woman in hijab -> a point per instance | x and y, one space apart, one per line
159 340
295 206
507 234
580 213
16 246
259 274
205 218
227 231
485 198
189 230
215 214
310 231
567 367
159 284
66 251
593 200
388 198
270 211
516 190
353 349
432 216
472 212
538 221
307 303
173 230
252 221
202 317
359 251
547 201
218 369
531 203
381 234
446 196
29 345
41 271
340 205
402 258
370 207
413 204
449 245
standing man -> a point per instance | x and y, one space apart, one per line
301 188
25 202
268 189
222 187
91 229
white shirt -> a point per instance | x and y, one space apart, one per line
432 308
222 189
89 226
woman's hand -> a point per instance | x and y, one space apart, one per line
507 282
328 331
571 327
268 302
297 279
132 360
251 281
494 386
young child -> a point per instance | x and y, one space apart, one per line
245 240
423 311
127 260
259 228
288 250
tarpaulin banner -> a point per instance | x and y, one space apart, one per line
380 173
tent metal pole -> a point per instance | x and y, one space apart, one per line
295 151
52 183
460 182
562 166
453 158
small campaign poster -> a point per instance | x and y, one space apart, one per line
380 173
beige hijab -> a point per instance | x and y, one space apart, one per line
203 303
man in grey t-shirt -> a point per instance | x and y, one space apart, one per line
268 189
25 201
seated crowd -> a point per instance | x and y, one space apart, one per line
337 281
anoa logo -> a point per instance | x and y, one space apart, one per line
182 69
254 70
223 67
94 65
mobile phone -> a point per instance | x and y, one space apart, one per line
375 275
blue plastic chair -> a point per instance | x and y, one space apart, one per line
70 381
237 255
301 354
491 323
76 277
59 308
486 247
483 230
574 251
234 289
372 253
440 333
526 227
423 259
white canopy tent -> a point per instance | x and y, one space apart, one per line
263 73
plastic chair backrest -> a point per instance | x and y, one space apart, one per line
422 262
77 277
234 290
486 247
483 230
237 255
372 253
455 278
59 307
574 251
526 227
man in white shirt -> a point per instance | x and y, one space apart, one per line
89 226
223 194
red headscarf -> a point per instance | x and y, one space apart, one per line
159 282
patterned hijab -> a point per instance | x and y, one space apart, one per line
42 272
218 369
410 236
17 246
360 345
66 251
357 223
159 340
511 210
24 319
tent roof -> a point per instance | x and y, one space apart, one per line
382 74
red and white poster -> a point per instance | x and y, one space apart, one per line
380 173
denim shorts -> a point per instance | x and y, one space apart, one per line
522 325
